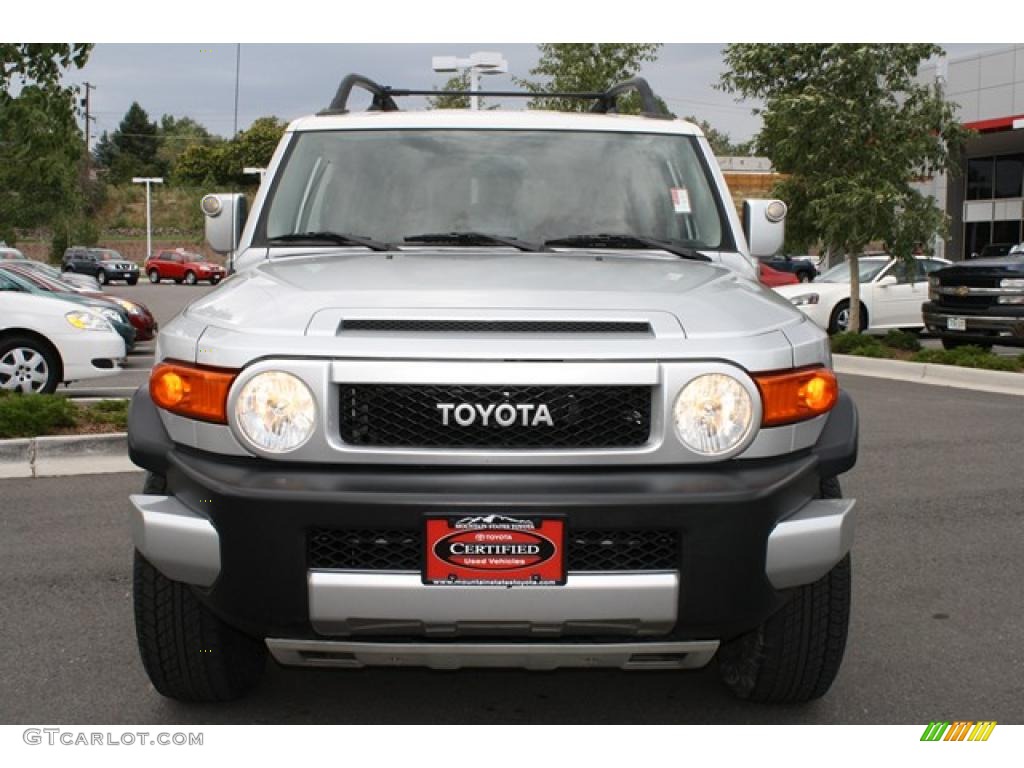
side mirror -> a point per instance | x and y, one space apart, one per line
764 224
888 280
224 216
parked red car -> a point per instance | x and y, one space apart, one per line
774 277
181 266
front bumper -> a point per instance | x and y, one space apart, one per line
1001 325
237 530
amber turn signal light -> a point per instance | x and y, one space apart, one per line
796 395
192 390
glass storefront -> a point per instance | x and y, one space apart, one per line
999 179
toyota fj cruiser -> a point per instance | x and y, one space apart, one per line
492 388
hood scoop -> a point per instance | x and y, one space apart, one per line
472 326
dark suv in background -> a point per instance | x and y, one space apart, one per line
102 263
979 302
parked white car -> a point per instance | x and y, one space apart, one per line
891 293
46 341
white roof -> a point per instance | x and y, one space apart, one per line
494 119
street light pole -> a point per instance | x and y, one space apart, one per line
148 180
479 63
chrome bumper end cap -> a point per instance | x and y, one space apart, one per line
807 545
181 544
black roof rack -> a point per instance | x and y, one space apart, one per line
605 102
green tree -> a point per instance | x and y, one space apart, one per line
222 163
852 128
720 141
568 67
175 135
135 144
459 82
255 145
41 148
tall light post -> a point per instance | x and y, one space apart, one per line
148 180
479 63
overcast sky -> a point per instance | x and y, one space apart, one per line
288 81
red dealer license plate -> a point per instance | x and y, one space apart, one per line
494 550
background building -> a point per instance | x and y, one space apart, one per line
985 201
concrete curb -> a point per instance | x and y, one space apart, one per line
65 455
998 382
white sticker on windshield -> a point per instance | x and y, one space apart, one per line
680 200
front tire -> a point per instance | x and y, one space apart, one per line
215 279
188 653
154 276
190 278
839 320
132 280
28 366
101 277
795 655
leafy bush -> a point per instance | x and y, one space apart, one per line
969 356
902 340
31 415
113 412
858 344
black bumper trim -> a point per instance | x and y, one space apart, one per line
263 512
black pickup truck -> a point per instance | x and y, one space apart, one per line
980 302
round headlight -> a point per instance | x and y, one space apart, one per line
713 414
275 412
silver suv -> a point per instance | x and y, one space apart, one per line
493 388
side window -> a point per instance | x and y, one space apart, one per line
6 284
905 272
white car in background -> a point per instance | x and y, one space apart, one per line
891 293
45 341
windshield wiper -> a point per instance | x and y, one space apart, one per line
474 238
337 238
610 240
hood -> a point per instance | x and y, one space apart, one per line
282 296
1011 263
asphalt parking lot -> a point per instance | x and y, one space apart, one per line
937 617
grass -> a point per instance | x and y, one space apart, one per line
901 345
39 415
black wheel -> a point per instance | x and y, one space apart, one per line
154 276
29 366
190 278
839 321
68 268
948 343
101 277
215 279
188 653
132 280
794 656
804 277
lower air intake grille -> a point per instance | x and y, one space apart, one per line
452 416
369 550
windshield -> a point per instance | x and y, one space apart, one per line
840 273
108 255
529 185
